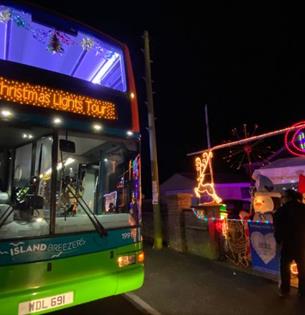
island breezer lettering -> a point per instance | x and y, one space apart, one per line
40 96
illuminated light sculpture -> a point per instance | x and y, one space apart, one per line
292 135
205 188
294 139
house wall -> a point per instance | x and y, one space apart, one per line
233 191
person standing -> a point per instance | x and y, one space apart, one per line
289 233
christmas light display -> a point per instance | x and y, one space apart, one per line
205 188
200 214
236 243
40 96
5 15
294 139
135 205
54 40
55 46
248 153
202 163
299 126
87 43
301 140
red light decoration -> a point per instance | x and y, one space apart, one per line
299 126
292 142
247 154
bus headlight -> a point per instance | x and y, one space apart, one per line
130 259
126 260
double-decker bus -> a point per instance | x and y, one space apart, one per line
70 186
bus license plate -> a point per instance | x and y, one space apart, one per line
47 303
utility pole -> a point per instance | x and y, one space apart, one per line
158 242
206 116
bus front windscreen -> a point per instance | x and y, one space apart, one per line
74 52
93 175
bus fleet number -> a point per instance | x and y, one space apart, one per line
126 235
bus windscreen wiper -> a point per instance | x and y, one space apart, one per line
6 213
97 224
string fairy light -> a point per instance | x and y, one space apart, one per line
54 40
250 139
201 216
205 161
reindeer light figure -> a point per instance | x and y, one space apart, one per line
205 188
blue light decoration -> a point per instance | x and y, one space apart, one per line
200 215
81 55
136 176
135 204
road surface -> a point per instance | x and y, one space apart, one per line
115 305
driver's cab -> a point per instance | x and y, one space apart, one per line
91 173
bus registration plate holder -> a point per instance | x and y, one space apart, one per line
34 306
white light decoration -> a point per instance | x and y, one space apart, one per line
129 133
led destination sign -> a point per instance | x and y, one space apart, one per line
44 97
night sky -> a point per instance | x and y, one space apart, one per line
245 61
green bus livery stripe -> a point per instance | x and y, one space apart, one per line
24 251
